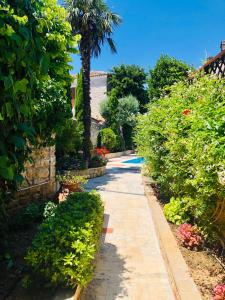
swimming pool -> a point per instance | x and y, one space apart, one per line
138 160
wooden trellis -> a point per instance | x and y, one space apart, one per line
216 65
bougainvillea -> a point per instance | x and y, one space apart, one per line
219 292
190 236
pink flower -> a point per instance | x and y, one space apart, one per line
189 236
219 292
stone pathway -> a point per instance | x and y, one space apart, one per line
130 264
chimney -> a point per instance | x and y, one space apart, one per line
222 45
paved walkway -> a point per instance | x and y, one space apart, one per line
130 264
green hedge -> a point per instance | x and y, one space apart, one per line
182 140
65 246
108 138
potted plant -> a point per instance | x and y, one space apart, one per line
71 182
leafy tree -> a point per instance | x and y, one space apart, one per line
109 108
69 139
52 110
126 80
166 72
79 101
35 46
128 108
121 117
94 21
108 138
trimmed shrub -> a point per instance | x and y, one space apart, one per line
65 246
98 161
108 138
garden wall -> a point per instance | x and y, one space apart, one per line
119 154
90 173
39 177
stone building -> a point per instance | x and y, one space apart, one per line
98 94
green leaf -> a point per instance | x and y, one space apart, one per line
25 110
9 109
24 32
44 63
21 85
1 117
7 173
18 142
8 82
16 38
18 178
3 161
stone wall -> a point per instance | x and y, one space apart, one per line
98 94
119 154
39 177
90 173
95 128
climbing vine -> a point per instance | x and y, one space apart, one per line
35 42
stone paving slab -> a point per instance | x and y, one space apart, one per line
130 264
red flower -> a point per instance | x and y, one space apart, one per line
101 151
186 112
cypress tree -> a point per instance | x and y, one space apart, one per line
79 99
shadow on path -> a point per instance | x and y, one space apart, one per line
109 280
112 175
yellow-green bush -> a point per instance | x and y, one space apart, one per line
182 140
64 248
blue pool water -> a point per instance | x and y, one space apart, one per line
138 160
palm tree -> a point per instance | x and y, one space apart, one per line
94 21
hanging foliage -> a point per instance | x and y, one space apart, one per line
35 42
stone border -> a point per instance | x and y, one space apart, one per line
182 283
90 173
119 154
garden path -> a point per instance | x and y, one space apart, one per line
130 264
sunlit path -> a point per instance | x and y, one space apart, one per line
130 264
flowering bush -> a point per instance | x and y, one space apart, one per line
186 154
219 292
189 236
101 151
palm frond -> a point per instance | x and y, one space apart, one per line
112 45
95 19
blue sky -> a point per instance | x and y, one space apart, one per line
186 29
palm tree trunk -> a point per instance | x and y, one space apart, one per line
85 49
